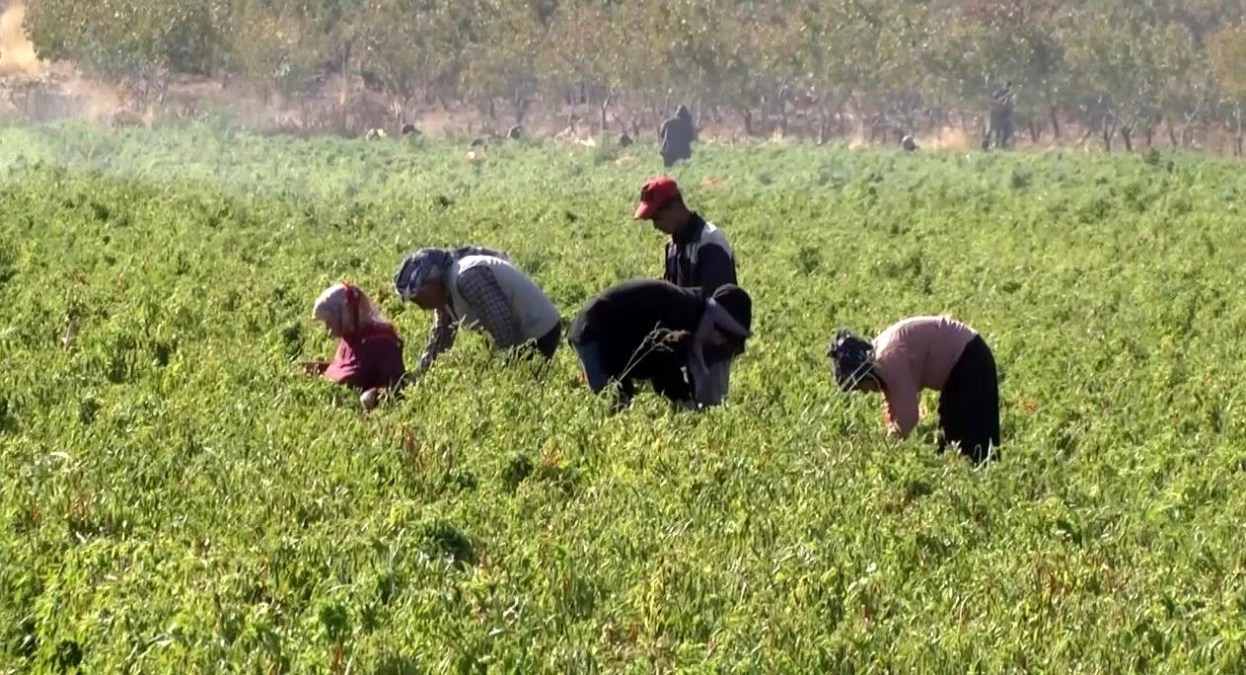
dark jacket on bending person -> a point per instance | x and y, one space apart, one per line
644 330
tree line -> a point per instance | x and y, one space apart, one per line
1123 72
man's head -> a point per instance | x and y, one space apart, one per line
421 279
852 362
662 203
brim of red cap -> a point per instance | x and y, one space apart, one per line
645 211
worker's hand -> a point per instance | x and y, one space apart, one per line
314 367
687 406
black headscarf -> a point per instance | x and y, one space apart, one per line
852 359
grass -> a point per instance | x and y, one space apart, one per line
175 496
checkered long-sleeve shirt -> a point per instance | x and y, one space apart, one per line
481 291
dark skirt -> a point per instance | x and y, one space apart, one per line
547 345
969 404
543 348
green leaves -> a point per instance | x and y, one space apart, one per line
121 39
1227 49
175 494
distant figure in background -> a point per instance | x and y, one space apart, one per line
698 256
927 352
653 330
677 135
369 351
481 289
1000 125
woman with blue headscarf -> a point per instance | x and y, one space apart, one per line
483 290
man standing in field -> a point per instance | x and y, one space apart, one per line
677 135
1000 120
698 256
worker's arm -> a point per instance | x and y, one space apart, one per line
901 400
440 338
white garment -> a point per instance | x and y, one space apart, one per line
536 312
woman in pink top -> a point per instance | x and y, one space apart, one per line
369 351
927 352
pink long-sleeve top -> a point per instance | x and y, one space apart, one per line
912 355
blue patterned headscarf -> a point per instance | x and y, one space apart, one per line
430 263
852 359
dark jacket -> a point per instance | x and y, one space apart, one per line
643 330
677 134
692 262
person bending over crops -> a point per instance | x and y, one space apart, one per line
369 351
651 329
927 352
483 290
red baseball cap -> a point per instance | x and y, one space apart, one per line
656 193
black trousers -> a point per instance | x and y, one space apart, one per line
969 404
671 157
546 345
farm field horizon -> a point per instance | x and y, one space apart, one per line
176 495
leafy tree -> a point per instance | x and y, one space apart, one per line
1110 56
988 43
395 56
1116 67
1227 51
500 64
1186 83
266 48
131 42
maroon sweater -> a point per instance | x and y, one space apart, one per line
370 359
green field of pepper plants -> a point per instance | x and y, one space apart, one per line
176 496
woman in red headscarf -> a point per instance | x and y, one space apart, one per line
369 351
